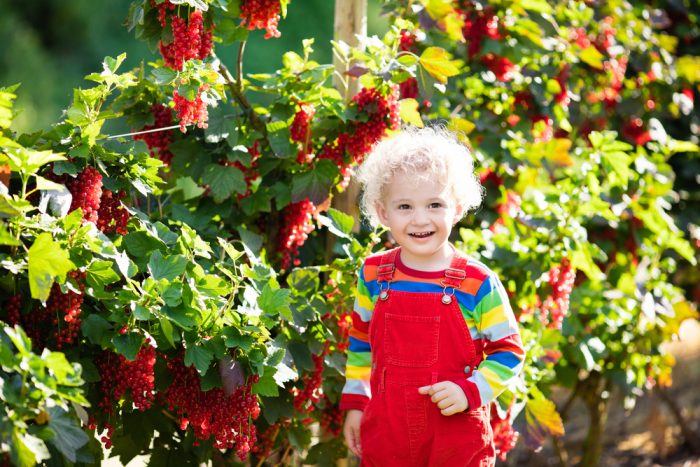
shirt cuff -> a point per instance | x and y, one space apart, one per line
471 391
353 402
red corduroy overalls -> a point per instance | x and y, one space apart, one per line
417 339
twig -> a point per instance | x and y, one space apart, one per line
236 88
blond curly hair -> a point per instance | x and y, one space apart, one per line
424 153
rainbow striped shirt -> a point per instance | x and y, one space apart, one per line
486 310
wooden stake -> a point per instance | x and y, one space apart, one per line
350 20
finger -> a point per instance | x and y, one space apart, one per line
440 395
450 410
444 403
424 389
354 443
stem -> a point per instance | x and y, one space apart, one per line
236 88
598 413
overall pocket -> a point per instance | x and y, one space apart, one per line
411 341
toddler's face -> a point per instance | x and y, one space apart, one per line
420 214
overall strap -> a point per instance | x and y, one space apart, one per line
456 273
387 265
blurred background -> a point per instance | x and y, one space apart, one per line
50 45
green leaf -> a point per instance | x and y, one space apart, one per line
223 181
274 301
20 339
582 260
59 365
538 6
169 267
47 261
68 437
315 184
408 110
188 187
200 357
139 244
279 138
267 386
436 61
592 57
27 450
164 75
167 330
94 328
128 344
305 279
100 273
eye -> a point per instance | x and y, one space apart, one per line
404 206
435 205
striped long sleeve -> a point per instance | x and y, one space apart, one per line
356 393
496 333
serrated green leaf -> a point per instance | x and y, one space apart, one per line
94 328
128 344
223 181
68 437
47 261
168 267
100 273
164 75
315 184
274 301
437 62
408 111
200 357
267 386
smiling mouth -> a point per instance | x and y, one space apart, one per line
421 234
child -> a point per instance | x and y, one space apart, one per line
434 339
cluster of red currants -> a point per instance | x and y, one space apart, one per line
297 224
556 305
194 111
261 14
63 310
228 418
119 375
332 418
309 396
158 142
504 437
190 40
300 131
112 215
13 310
86 190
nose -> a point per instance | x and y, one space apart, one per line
420 217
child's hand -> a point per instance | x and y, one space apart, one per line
448 396
351 430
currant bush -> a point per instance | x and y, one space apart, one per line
112 216
261 14
189 112
86 190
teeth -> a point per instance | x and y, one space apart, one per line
421 234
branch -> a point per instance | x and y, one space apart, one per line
235 85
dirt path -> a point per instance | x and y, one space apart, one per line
648 436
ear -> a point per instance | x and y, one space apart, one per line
381 212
